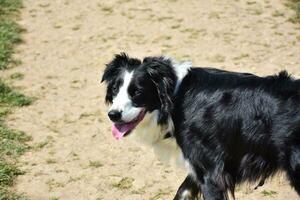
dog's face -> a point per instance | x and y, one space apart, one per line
135 88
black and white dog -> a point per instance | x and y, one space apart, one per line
230 127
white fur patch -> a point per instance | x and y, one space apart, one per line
150 133
123 103
190 169
181 69
186 194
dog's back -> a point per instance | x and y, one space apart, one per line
239 126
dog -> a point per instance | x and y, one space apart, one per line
228 127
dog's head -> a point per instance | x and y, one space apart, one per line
135 88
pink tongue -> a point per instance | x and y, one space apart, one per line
119 130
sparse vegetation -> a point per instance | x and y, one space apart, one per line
9 31
17 76
9 36
76 27
244 55
268 193
107 9
50 161
95 164
277 13
53 198
9 97
52 183
217 58
161 193
8 195
12 142
295 5
124 183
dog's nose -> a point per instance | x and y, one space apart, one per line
114 115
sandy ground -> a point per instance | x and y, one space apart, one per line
66 46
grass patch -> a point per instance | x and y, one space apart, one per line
17 76
277 13
243 55
9 97
95 164
52 183
9 7
295 5
124 183
50 161
7 173
6 194
161 193
268 193
12 142
9 36
9 31
53 198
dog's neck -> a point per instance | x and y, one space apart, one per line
181 70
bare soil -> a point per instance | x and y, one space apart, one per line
67 44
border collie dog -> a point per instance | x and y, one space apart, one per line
228 127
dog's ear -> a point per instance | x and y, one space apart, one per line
162 75
117 64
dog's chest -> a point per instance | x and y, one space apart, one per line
150 133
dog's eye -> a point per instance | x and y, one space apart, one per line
114 88
136 93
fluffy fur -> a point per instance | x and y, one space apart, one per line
230 127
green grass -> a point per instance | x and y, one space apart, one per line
124 184
295 5
268 193
7 173
9 36
8 195
12 142
9 97
17 76
9 31
95 164
9 7
12 145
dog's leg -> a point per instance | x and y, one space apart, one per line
293 169
188 190
211 191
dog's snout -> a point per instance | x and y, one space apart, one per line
114 115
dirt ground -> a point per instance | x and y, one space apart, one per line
65 47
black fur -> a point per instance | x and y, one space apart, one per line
162 76
236 127
113 70
232 127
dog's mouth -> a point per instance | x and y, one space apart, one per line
123 129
